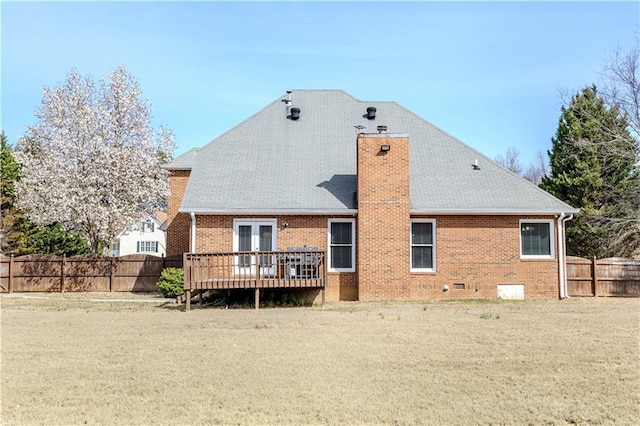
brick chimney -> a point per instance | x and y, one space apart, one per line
383 224
178 224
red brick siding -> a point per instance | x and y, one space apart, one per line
178 224
477 251
482 252
383 218
215 234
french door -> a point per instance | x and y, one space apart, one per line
254 236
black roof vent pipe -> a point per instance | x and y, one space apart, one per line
295 113
371 113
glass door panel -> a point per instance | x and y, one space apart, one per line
254 236
244 244
266 244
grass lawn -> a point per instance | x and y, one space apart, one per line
102 359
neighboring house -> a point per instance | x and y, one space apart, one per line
149 237
402 209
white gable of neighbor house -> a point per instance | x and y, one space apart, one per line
141 240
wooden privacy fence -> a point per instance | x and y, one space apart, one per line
614 276
137 272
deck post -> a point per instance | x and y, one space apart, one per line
257 298
324 276
186 280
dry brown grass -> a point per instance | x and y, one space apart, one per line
69 360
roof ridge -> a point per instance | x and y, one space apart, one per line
206 145
341 91
276 101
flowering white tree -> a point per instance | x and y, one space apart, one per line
92 161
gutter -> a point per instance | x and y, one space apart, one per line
562 261
193 232
176 167
275 212
351 212
483 212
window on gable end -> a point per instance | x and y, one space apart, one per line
148 226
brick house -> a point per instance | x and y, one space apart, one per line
398 208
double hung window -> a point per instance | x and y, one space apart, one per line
147 246
423 247
342 245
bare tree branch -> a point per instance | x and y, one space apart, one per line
537 169
510 160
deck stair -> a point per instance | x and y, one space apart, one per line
183 297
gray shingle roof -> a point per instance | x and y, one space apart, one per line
271 164
184 161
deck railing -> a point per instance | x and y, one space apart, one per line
253 270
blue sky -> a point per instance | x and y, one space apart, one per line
489 73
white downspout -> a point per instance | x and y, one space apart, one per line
562 276
193 232
561 262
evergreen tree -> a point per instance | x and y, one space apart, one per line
593 161
10 218
50 239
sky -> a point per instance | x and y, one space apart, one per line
489 73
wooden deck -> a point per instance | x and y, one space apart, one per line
252 270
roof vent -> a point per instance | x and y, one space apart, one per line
295 114
287 101
382 129
371 113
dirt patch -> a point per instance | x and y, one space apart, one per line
71 360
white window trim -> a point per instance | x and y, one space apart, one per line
552 239
115 248
244 221
353 245
435 251
153 248
148 224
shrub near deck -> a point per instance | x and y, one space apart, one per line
68 361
